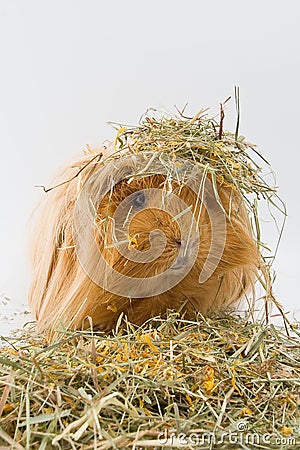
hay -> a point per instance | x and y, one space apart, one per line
221 378
201 140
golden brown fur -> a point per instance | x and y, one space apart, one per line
62 293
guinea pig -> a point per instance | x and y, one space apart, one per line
126 234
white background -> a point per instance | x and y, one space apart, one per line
69 66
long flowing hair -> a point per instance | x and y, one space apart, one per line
63 294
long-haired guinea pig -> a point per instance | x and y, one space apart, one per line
119 234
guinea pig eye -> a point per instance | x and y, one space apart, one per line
139 200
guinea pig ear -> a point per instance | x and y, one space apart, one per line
125 172
110 176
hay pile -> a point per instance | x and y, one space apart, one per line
205 382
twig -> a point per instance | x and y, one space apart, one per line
99 155
237 105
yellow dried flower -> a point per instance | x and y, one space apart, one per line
245 411
286 430
112 307
209 379
190 401
8 408
133 243
120 131
146 339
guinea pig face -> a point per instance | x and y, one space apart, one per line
137 228
152 226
